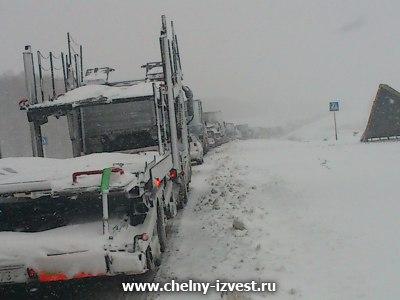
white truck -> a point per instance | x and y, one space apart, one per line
102 212
197 125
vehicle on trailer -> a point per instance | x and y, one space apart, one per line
102 212
196 150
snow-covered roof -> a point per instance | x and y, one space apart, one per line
97 92
24 174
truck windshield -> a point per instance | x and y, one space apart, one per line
119 126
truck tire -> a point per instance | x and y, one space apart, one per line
171 208
161 224
183 196
151 261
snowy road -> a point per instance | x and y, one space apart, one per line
321 218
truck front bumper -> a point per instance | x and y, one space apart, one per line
73 266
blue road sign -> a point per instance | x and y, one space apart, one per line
334 106
45 140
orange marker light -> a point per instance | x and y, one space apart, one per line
158 182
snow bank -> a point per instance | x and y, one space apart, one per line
321 218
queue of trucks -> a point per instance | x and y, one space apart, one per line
104 211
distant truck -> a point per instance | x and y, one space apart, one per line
244 131
102 212
216 128
231 130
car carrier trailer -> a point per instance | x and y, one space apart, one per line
102 212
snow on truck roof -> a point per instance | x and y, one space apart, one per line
24 174
101 92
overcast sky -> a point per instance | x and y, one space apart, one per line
270 62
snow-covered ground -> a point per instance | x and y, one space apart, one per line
321 217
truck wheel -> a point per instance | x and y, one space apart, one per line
161 224
151 261
183 196
171 209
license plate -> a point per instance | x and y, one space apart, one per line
11 274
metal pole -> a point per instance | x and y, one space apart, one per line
182 103
30 83
334 120
52 75
165 54
81 57
105 187
75 132
173 73
69 48
67 66
162 99
106 228
179 54
175 39
34 79
40 75
76 71
64 71
159 134
173 50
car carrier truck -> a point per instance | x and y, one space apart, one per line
102 212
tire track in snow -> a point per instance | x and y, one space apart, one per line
203 244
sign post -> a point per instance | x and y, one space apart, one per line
334 106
